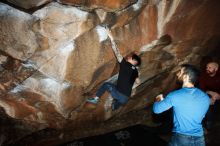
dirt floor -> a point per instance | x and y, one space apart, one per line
157 135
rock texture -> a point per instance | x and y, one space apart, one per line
112 5
27 4
56 56
17 39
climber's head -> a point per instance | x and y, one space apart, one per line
134 59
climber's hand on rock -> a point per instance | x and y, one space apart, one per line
108 31
159 98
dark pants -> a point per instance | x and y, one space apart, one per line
186 140
210 118
119 98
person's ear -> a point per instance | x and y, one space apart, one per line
129 57
185 78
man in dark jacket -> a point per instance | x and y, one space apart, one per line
210 83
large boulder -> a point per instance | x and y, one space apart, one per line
17 38
66 55
27 4
56 36
112 5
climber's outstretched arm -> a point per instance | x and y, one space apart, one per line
114 46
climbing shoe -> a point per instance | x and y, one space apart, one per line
93 100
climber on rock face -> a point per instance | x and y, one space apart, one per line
128 75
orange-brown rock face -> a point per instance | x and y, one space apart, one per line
27 4
55 57
108 4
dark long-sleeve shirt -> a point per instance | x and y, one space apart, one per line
207 83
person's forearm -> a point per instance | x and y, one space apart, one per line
161 104
116 51
137 81
114 46
160 107
213 94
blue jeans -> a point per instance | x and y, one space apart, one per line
119 98
186 140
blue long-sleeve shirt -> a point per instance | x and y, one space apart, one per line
189 108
